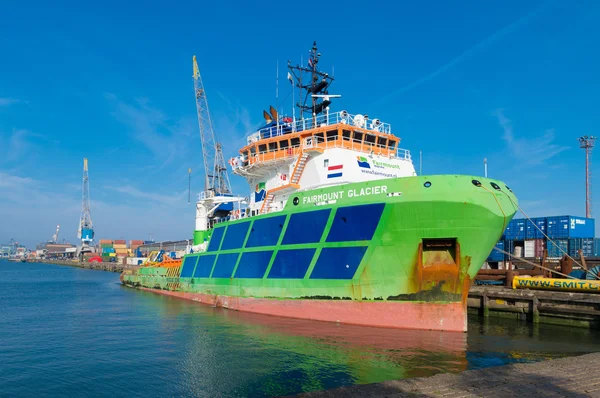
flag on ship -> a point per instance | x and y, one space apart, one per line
335 171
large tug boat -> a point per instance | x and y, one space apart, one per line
339 226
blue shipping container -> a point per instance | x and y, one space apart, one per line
585 244
536 228
596 247
495 255
554 251
571 227
515 230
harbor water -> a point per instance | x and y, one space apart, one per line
72 332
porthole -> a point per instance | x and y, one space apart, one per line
506 186
495 186
427 184
295 201
477 183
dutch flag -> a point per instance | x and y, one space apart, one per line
335 171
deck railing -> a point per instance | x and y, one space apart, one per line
342 117
316 142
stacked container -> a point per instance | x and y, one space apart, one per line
529 238
121 251
586 245
107 250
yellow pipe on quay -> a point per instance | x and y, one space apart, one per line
565 285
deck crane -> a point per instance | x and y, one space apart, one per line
86 229
216 200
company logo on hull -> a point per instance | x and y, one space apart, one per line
259 192
363 162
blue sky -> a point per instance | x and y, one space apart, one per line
516 82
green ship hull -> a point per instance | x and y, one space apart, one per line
398 252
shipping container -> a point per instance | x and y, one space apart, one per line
120 246
535 228
136 242
107 250
585 244
135 260
571 227
558 227
529 249
540 246
554 251
515 230
106 245
597 247
119 242
106 241
495 255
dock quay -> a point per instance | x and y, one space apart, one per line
98 266
536 306
564 377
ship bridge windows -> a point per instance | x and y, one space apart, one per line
252 150
262 148
284 144
357 136
332 135
346 135
272 146
382 142
392 145
295 142
319 138
369 139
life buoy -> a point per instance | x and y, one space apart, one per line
284 177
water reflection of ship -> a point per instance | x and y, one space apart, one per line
363 354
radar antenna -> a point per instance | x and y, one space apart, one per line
315 91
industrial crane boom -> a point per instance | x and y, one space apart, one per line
216 181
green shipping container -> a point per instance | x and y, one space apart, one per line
106 245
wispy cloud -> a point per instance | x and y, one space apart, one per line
152 196
6 101
16 144
10 181
481 45
534 150
164 137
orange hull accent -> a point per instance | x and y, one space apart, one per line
390 314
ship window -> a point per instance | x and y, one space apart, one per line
332 135
319 138
346 135
253 150
295 142
326 163
272 146
382 142
369 139
392 144
262 148
358 136
284 144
